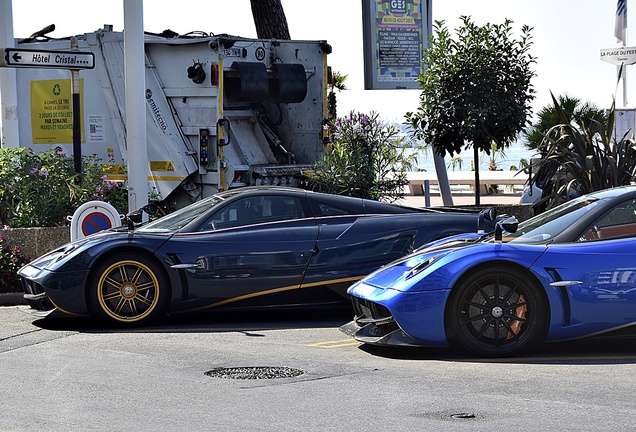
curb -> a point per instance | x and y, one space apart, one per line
12 299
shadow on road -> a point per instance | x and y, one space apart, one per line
617 348
614 349
217 321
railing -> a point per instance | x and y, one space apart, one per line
509 180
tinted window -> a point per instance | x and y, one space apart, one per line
546 226
255 210
618 222
182 217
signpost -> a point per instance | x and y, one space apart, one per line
619 56
17 57
73 60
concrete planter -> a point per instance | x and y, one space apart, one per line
520 211
34 242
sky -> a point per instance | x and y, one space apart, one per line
567 35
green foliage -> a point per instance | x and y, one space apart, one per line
575 111
366 160
41 190
476 88
337 83
581 157
11 259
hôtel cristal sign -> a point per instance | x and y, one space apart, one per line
16 57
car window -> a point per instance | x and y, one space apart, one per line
545 226
331 210
182 217
255 210
618 222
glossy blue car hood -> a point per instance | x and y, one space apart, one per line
397 273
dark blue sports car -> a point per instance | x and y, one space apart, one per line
246 248
565 274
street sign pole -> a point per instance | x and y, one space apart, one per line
74 61
77 119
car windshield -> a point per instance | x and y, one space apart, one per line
544 227
181 217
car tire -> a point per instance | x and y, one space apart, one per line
498 312
128 289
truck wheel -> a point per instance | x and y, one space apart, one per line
128 289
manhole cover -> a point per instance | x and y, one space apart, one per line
463 416
258 372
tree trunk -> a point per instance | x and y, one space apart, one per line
477 185
269 19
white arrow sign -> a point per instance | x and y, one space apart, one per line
618 56
14 57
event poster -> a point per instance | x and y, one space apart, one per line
396 33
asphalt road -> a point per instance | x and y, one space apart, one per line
73 375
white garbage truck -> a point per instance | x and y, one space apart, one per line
222 111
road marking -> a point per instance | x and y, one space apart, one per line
335 343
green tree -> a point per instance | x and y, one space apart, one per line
575 111
476 89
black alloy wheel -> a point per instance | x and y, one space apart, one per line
498 312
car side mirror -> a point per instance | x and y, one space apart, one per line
509 225
134 218
489 214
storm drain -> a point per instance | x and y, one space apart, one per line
252 373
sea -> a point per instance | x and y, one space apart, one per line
510 159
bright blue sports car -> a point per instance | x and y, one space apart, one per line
564 274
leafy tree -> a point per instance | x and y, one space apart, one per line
580 157
366 159
576 112
476 89
269 19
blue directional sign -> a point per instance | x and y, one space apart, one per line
18 57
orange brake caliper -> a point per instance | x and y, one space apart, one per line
520 312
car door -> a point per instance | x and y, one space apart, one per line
246 254
598 273
350 247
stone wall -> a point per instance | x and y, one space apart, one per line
36 241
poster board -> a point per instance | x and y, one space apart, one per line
395 35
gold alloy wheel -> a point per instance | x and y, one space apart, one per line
128 291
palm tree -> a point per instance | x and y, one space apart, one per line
337 83
580 156
269 19
575 112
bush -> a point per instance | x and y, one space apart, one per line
42 189
11 259
366 159
580 157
